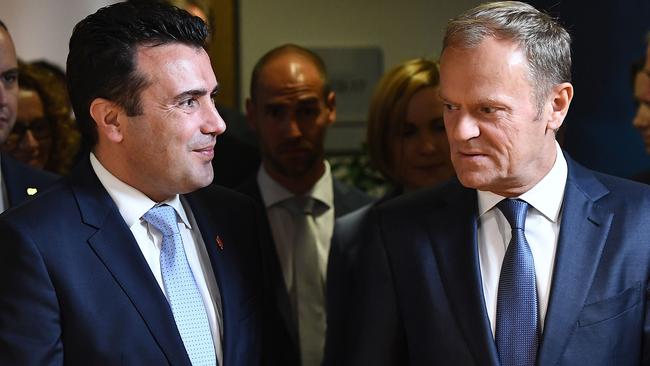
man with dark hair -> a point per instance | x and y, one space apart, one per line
290 108
527 258
128 260
18 181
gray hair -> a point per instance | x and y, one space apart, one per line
546 43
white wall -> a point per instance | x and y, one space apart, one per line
42 28
403 29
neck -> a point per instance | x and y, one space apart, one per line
297 185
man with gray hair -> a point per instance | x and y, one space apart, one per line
527 258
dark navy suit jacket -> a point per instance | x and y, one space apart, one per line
418 296
280 330
75 288
22 181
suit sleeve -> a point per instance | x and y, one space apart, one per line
30 327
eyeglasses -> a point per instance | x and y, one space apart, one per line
40 128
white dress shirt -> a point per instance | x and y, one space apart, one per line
132 204
542 231
282 225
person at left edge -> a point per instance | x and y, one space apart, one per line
82 276
18 181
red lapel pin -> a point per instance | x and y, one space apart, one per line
219 242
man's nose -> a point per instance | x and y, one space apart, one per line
465 127
292 126
214 124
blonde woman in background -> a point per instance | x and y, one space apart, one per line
406 134
408 145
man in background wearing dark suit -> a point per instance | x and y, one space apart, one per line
18 181
528 258
128 260
290 108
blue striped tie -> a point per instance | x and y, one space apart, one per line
181 289
517 332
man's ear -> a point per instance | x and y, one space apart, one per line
331 105
561 99
106 115
251 114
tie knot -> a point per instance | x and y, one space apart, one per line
163 218
515 212
300 205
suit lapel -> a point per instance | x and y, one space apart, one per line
117 249
272 271
453 233
16 182
583 231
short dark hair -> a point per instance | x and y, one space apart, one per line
3 26
101 61
284 49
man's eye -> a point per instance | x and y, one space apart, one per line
488 110
307 112
275 111
189 102
450 107
9 78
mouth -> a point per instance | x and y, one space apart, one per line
206 152
470 154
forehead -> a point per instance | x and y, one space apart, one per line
7 51
175 67
30 104
489 68
289 76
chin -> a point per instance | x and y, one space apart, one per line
474 181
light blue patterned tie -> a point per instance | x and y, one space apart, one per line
517 331
181 289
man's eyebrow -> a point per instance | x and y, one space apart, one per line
195 93
308 101
10 71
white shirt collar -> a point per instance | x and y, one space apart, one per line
131 203
274 193
546 196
